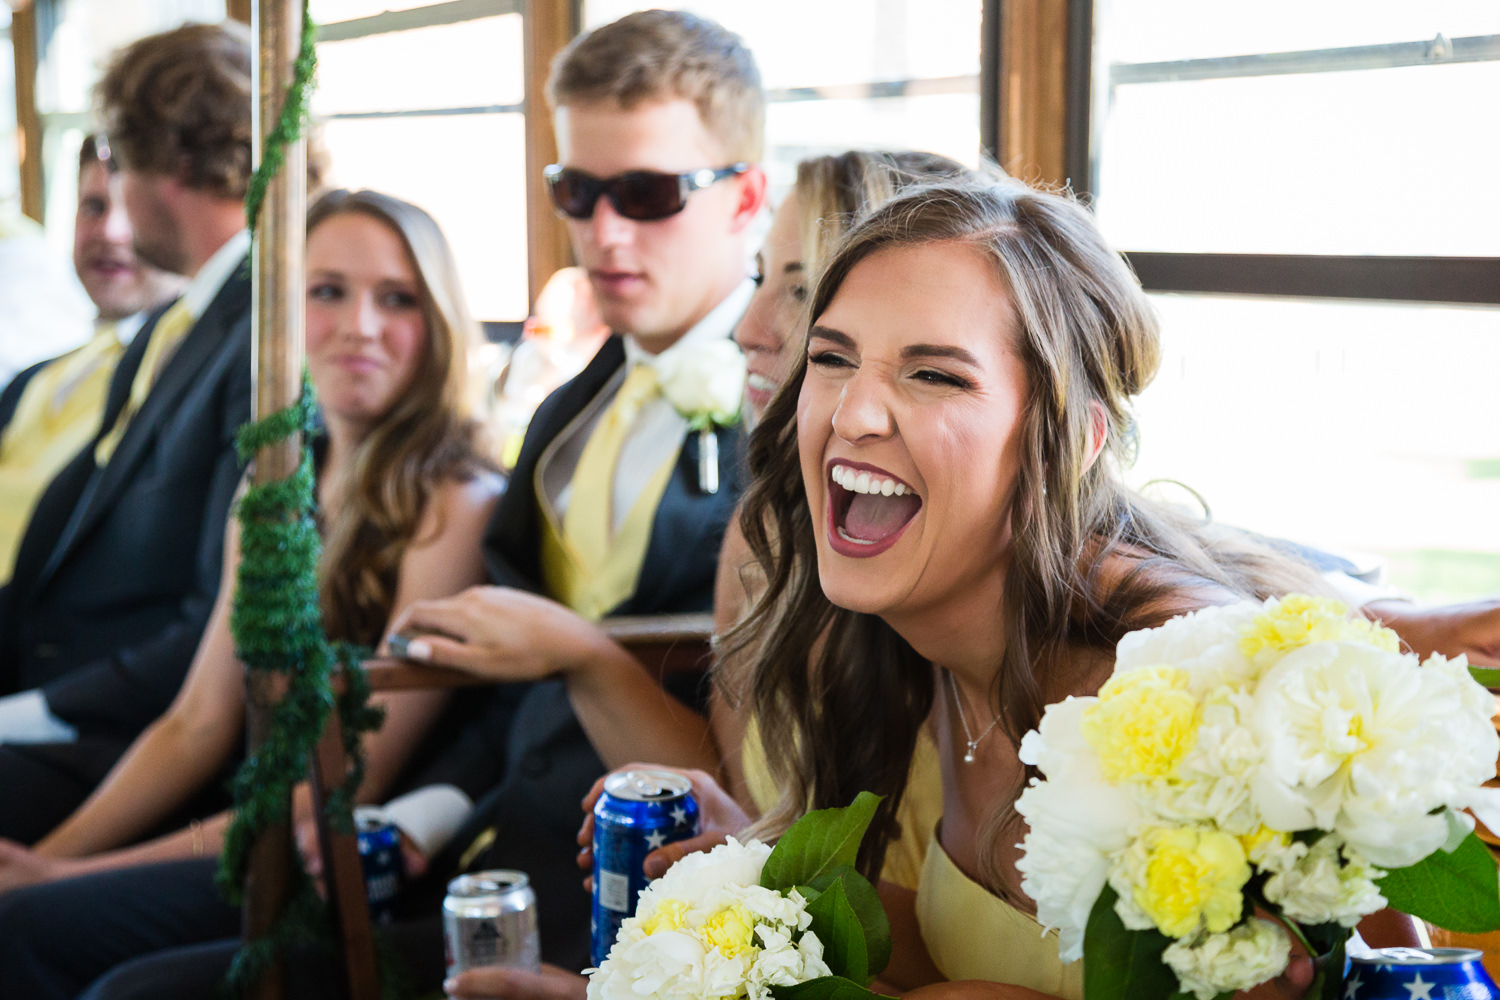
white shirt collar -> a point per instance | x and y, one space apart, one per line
126 329
214 273
719 323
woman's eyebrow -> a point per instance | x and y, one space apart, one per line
828 333
792 267
939 351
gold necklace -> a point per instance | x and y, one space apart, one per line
969 738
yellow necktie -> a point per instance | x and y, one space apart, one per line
168 333
588 524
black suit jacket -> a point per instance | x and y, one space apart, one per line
119 567
548 764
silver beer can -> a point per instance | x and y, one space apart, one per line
489 918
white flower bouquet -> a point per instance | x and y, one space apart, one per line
744 920
1249 773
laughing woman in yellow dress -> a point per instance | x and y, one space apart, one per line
937 490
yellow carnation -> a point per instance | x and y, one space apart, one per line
731 930
1144 722
1264 839
1192 878
668 916
1298 620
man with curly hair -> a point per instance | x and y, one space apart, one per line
118 568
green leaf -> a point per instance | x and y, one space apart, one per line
1121 964
838 927
825 988
818 843
1328 972
1487 676
865 902
1458 891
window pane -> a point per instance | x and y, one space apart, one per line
1159 30
1365 426
73 55
801 44
443 66
932 45
10 167
468 172
1358 161
332 11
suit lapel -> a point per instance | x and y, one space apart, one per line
181 374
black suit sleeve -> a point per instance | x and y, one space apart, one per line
12 394
128 689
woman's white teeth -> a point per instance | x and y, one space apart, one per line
863 482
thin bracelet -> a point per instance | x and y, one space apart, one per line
196 826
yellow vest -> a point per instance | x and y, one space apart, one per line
57 415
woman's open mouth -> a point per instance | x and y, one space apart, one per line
868 509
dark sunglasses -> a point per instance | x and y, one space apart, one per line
642 195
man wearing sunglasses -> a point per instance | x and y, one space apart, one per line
660 124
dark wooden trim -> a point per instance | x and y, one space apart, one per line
989 80
28 122
1078 124
1463 280
549 26
239 10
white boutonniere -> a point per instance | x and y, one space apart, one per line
705 382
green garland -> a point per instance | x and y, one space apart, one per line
278 628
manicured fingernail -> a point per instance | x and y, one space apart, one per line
449 985
418 649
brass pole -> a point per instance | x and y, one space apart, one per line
278 318
29 123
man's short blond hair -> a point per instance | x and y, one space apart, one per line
656 55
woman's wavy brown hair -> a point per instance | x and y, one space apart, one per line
428 436
840 697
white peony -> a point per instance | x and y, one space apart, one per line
1367 743
707 930
1206 643
1325 883
704 381
1075 822
1238 959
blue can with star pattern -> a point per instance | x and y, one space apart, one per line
1419 974
380 859
638 812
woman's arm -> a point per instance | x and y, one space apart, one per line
178 753
445 557
510 635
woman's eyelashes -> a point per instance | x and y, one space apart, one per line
828 359
934 377
325 291
398 299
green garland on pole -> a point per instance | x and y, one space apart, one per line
278 628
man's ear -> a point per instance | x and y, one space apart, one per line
750 189
1098 433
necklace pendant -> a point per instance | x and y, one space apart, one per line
969 757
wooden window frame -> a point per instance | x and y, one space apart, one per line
1036 107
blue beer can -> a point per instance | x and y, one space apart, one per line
380 858
1428 973
638 812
